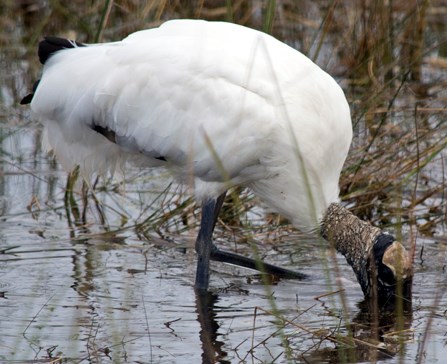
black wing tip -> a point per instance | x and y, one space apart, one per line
50 45
27 99
47 47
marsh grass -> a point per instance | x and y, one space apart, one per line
388 57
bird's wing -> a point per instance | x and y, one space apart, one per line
212 100
192 98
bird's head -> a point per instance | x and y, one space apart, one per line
389 269
382 265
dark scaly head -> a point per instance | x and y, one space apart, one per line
391 269
381 264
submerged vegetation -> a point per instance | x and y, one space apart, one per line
390 57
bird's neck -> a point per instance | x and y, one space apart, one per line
351 237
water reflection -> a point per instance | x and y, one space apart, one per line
373 334
212 347
89 293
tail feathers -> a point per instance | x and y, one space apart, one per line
51 45
28 98
47 48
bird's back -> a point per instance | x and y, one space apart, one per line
217 101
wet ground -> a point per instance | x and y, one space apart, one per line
109 278
83 295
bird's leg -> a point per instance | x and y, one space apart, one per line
204 242
206 250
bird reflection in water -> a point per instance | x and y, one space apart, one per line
376 333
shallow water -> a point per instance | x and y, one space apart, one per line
88 295
105 288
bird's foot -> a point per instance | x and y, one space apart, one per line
239 260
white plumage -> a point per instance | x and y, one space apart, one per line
217 103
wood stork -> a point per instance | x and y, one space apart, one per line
219 105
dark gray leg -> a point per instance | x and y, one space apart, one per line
204 242
206 250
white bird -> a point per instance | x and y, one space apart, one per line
219 105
